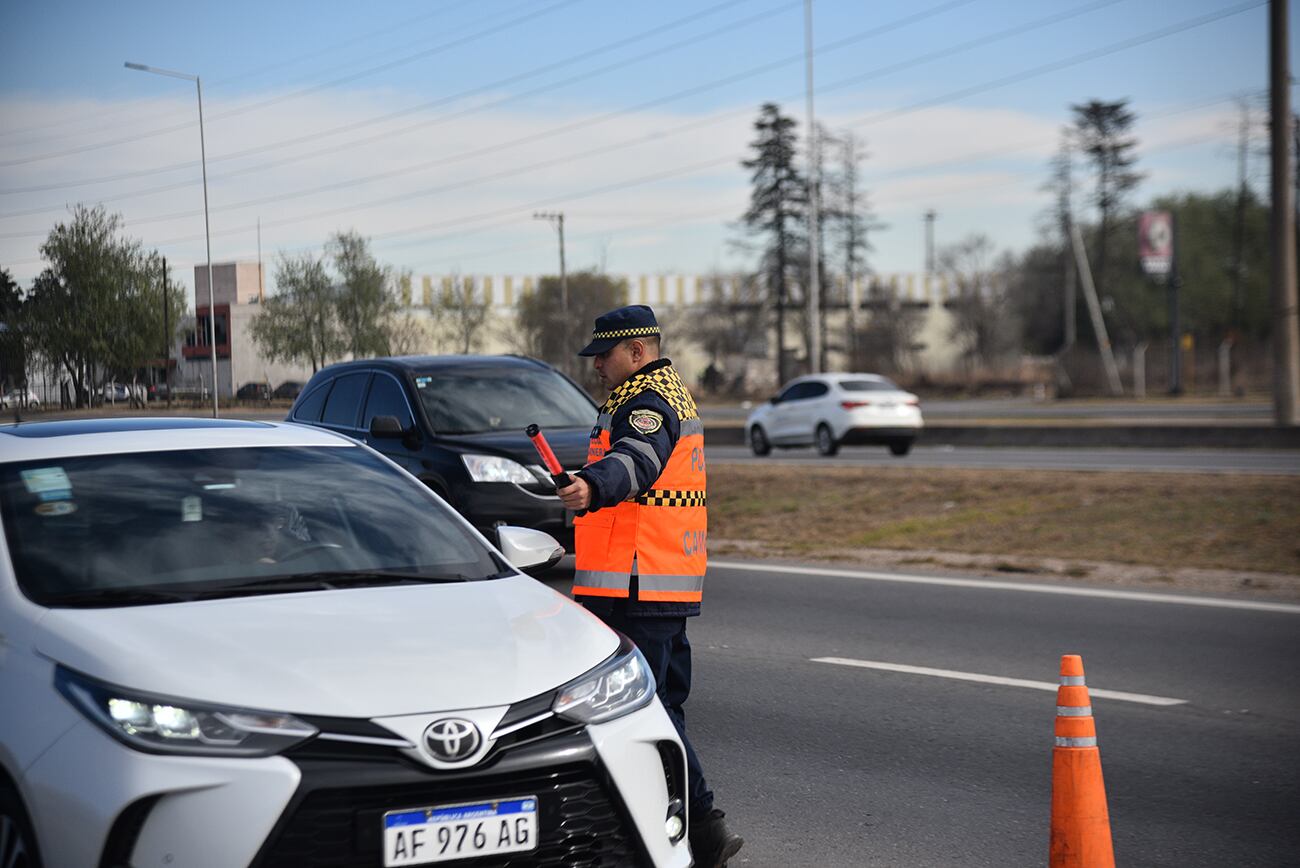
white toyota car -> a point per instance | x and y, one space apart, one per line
235 643
829 410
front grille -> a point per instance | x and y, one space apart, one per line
579 822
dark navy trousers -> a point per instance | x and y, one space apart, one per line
663 643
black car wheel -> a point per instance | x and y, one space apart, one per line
900 447
826 442
758 441
17 840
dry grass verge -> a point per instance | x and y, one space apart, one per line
1079 525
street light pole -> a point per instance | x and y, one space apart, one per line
814 206
207 228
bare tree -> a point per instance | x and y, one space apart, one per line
983 318
461 312
730 325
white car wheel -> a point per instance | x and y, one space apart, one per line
826 442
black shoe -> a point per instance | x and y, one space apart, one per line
712 843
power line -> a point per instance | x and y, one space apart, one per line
993 84
299 93
219 83
486 88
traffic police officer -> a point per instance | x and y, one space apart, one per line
641 542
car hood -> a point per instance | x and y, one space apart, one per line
568 444
363 652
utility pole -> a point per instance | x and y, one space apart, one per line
814 205
851 244
167 336
929 241
1286 318
556 218
1239 220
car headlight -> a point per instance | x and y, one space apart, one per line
494 468
619 686
157 724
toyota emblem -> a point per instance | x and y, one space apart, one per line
452 739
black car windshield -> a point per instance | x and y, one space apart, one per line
473 400
881 385
150 527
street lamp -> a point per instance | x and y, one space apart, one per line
207 231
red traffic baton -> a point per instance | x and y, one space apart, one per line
552 464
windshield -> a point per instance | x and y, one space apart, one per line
145 527
476 400
881 385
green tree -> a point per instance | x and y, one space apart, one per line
97 309
540 328
13 355
364 300
777 206
1102 134
299 324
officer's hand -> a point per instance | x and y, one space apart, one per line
577 496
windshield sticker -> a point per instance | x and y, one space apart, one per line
48 483
423 382
56 507
191 509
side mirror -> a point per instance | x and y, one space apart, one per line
775 399
386 426
525 547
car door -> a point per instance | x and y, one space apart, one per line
342 411
387 398
787 413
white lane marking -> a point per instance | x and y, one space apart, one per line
1145 699
1028 587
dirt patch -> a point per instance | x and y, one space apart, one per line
1201 532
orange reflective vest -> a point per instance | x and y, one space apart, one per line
660 534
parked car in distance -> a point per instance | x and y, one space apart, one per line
23 399
288 389
457 423
245 643
119 392
159 391
254 392
830 410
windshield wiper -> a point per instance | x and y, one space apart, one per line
118 597
330 579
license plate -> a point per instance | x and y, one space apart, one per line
419 836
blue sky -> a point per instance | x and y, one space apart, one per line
442 126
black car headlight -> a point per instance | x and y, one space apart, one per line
158 724
619 686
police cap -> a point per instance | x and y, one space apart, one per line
633 321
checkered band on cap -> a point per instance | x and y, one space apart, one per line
626 333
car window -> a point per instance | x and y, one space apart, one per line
881 385
198 520
815 390
386 399
470 400
791 393
309 409
344 404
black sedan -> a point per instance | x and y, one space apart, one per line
457 423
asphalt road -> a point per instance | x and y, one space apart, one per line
1280 462
825 764
1257 412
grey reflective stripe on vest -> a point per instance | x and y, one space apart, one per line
670 583
629 467
605 422
645 449
1072 681
600 579
1073 711
1085 741
692 426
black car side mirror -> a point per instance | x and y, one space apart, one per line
775 399
386 426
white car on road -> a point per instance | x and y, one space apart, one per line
829 410
235 643
20 398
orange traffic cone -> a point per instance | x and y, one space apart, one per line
1080 822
